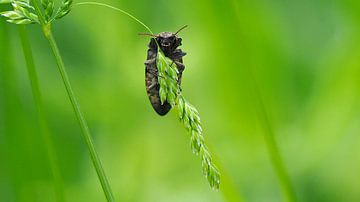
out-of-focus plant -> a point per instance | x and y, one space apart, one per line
30 12
24 13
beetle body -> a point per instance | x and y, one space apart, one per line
169 43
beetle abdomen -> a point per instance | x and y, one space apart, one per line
152 83
151 77
152 89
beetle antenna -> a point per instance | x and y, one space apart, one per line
147 34
180 29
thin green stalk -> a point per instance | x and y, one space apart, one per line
80 116
10 135
119 10
273 149
274 153
59 191
46 28
114 8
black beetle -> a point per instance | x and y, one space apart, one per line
169 43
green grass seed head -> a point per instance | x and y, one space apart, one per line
188 115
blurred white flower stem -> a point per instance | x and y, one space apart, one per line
46 28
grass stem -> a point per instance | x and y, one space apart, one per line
272 147
46 28
59 191
114 8
274 153
80 116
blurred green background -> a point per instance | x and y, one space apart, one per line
305 58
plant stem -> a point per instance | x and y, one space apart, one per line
273 150
46 28
59 191
274 153
80 116
114 8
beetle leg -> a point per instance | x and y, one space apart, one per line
178 54
180 65
152 85
154 73
150 61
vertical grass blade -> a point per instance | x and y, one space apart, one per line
46 28
272 147
80 116
30 64
274 153
8 114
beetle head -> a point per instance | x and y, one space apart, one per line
168 41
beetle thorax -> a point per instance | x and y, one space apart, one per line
166 34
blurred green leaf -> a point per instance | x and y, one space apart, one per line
5 1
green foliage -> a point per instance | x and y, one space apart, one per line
305 57
48 6
188 115
23 13
64 9
46 137
4 1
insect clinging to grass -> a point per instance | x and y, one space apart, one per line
168 43
163 73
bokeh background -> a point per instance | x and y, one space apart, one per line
304 55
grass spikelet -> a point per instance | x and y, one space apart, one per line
188 116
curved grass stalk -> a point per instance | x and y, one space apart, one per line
46 28
114 8
59 190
